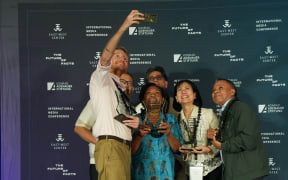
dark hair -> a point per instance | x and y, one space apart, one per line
129 75
124 50
198 101
144 89
232 85
156 68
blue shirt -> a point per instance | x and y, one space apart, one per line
155 159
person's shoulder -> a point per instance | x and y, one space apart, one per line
241 106
208 113
207 110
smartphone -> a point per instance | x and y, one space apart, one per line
190 149
121 118
159 129
187 149
150 18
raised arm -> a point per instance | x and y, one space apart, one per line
132 18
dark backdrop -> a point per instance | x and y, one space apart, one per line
198 41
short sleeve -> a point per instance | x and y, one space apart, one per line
86 118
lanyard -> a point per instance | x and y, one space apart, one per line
192 139
125 100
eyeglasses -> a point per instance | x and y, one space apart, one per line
127 83
152 78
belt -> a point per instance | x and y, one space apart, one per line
115 138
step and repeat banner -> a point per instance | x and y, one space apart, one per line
60 46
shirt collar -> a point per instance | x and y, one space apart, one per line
117 80
225 104
194 113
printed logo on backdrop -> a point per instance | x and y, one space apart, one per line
58 58
274 168
263 25
186 58
142 58
269 56
94 61
236 82
228 53
141 31
272 137
59 86
270 108
185 28
139 84
59 112
60 170
97 30
269 78
57 33
226 29
59 143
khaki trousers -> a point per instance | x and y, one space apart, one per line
113 160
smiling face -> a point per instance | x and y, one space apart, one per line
120 61
153 98
222 91
185 94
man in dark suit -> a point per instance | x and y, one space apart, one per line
238 137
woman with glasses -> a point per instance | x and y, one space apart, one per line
194 121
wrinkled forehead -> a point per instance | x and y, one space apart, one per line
153 89
155 73
222 83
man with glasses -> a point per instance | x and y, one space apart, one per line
127 81
86 121
111 135
157 75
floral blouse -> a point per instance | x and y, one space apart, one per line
208 119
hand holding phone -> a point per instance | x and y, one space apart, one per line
161 129
150 18
121 118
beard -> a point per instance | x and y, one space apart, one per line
118 68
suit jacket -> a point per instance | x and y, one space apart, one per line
243 151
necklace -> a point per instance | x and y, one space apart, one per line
192 137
